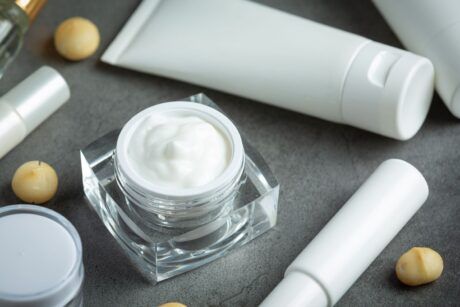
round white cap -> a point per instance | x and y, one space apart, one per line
38 96
40 259
297 289
387 91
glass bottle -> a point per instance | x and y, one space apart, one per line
15 18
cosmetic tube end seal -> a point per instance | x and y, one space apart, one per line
388 91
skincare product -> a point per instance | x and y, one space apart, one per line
180 164
353 238
247 49
430 28
28 104
15 18
173 146
179 186
40 259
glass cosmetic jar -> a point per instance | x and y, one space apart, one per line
40 259
167 231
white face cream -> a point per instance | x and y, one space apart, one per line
178 150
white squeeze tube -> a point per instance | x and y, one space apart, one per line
430 28
253 51
353 238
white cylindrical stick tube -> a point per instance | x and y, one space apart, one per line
353 238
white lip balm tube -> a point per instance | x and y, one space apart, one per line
353 238
251 50
431 29
28 104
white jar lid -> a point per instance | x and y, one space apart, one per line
40 258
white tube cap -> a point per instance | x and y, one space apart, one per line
38 96
388 91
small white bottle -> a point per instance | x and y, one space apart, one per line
430 28
251 50
28 104
353 238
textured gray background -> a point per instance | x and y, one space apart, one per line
318 164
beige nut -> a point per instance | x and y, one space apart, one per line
35 182
172 304
418 266
76 38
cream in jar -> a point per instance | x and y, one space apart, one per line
178 150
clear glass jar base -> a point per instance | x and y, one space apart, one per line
160 255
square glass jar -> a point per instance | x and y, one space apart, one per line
160 253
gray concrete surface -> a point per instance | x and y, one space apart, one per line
318 164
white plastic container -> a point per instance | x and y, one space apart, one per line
28 104
430 28
247 49
353 238
40 259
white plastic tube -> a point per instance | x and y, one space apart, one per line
430 28
353 238
247 49
28 104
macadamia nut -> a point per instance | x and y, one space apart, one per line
76 38
35 182
418 266
172 304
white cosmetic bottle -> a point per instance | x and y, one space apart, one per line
430 28
28 104
251 50
353 238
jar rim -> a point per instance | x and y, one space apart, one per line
222 122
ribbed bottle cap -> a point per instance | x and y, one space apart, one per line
40 260
38 96
388 91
